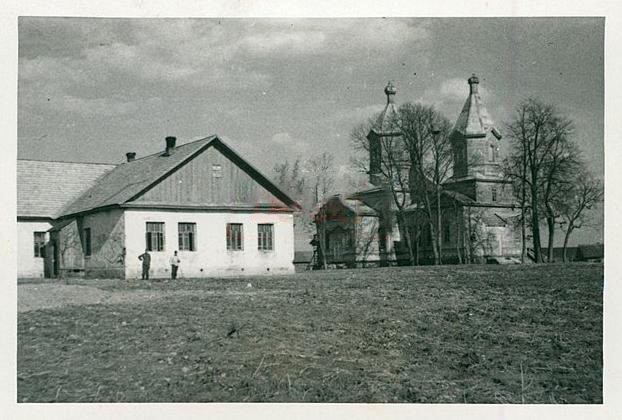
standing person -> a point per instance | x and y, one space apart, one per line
146 259
175 261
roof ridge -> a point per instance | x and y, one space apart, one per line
210 137
67 161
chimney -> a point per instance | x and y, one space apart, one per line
170 145
473 83
130 156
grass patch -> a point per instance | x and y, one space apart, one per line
475 334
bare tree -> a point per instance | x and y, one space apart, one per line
289 178
587 192
562 162
515 171
414 165
394 169
321 170
426 136
536 131
309 182
69 246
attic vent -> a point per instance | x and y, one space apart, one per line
216 170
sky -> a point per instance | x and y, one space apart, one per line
92 89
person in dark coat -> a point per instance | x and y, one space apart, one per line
146 259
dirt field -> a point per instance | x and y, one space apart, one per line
485 334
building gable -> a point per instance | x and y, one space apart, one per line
212 178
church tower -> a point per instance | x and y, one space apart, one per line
384 127
477 171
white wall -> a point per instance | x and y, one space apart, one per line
27 264
211 257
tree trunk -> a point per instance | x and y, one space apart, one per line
406 232
468 242
434 243
459 233
523 223
551 225
566 238
535 225
439 230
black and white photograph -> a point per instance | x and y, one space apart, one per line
363 210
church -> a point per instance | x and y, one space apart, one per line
479 218
200 198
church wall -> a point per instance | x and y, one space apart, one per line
466 187
484 192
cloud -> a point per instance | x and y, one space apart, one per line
96 106
358 114
288 145
290 42
340 35
450 95
282 139
458 89
138 61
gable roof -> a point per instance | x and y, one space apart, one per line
44 187
131 179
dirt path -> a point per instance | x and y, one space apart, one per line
31 297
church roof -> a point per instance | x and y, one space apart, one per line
474 120
384 124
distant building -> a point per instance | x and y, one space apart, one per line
200 198
590 253
478 212
361 229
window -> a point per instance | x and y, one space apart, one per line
187 233
265 236
493 193
39 244
155 236
234 236
86 237
493 155
446 233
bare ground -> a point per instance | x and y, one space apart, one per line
427 334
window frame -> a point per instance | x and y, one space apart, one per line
87 239
184 235
265 240
159 235
234 238
39 246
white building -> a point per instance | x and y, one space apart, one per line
43 189
200 198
